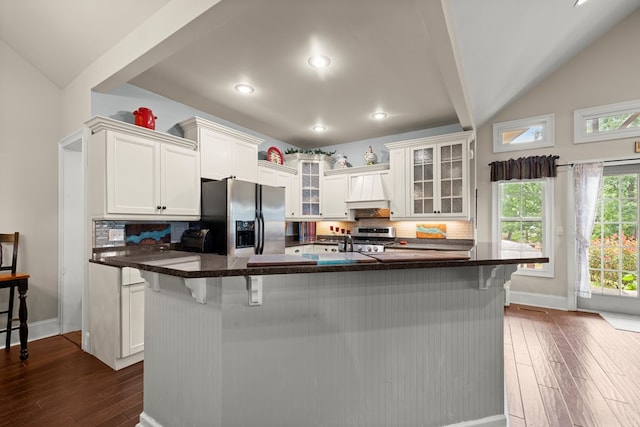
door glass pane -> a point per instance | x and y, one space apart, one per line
428 189
418 206
456 169
456 151
418 190
428 206
456 188
456 205
613 254
445 188
417 173
445 171
428 172
445 205
445 153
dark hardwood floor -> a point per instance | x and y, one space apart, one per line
562 369
60 385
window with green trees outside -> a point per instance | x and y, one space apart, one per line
524 222
613 254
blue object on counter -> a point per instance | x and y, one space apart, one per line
319 261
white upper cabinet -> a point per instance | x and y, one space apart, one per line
224 151
137 173
282 176
431 177
309 184
335 194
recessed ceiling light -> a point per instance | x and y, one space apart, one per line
244 88
579 3
379 115
319 128
319 61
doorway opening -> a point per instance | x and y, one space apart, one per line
72 241
613 254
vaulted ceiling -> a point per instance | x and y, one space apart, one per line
425 63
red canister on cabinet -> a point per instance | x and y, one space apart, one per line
144 117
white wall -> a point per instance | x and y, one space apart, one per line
121 102
29 122
605 72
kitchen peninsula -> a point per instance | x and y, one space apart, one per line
411 343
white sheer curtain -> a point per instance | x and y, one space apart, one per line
586 186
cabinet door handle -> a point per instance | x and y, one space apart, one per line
164 207
158 207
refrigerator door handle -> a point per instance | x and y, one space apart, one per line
261 232
259 221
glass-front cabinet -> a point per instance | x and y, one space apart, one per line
310 172
430 177
438 179
310 188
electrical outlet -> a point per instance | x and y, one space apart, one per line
116 235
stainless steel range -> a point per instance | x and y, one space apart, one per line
369 239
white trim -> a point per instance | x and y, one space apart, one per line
580 135
547 122
80 136
570 221
147 421
37 330
493 421
539 300
548 271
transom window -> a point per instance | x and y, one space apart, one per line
522 134
607 122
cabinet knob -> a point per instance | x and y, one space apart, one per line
164 207
158 207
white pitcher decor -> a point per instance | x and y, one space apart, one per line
369 157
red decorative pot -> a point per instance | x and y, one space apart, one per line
144 117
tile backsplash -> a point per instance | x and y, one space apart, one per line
120 233
407 229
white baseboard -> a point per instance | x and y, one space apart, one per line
495 421
147 421
38 330
539 300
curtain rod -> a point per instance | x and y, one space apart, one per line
603 161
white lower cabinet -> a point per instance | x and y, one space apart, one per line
299 250
132 324
116 315
324 249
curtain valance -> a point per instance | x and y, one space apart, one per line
532 167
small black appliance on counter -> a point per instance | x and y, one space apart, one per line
196 240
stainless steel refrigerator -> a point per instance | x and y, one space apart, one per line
245 218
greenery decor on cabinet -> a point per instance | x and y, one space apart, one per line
316 152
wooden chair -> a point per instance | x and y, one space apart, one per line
12 281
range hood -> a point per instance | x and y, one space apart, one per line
368 193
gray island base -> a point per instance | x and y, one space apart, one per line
401 347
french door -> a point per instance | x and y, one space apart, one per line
613 254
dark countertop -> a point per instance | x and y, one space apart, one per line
407 243
198 265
